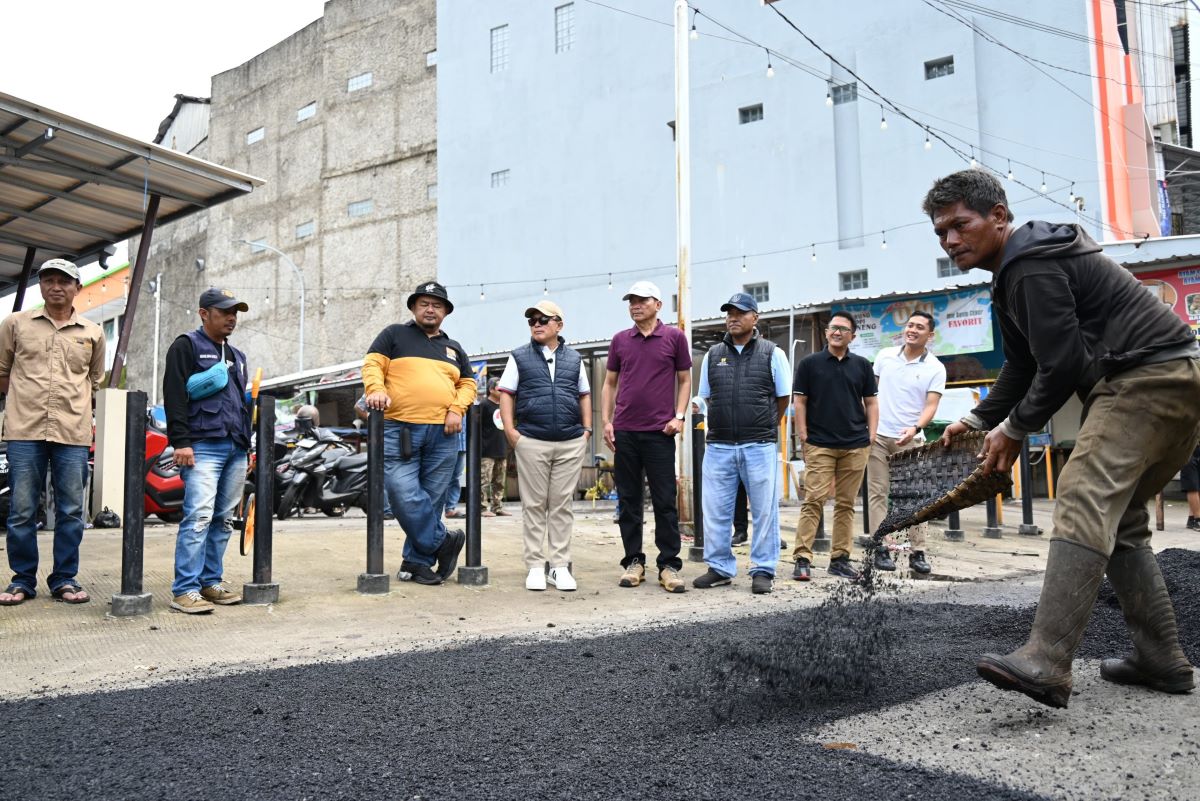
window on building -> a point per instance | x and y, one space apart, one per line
499 179
760 292
499 40
750 113
431 192
844 93
431 59
855 279
939 68
946 268
360 81
258 246
360 208
305 229
306 112
564 27
257 135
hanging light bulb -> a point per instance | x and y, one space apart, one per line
770 69
743 264
1043 183
814 251
481 296
974 163
882 121
695 34
1010 169
829 98
928 144
610 282
883 237
545 287
1071 197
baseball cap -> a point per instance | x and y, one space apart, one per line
434 290
644 289
546 307
60 265
742 302
223 299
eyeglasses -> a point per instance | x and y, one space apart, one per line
838 329
542 320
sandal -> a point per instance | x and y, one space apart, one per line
75 590
13 589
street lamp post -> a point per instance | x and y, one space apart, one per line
300 279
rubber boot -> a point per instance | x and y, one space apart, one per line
1041 668
1157 660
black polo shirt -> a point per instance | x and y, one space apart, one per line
835 389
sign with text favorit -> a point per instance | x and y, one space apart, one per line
1179 289
964 322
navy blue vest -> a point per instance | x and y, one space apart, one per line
742 406
548 410
224 414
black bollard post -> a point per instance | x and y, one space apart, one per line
1027 526
473 573
132 600
954 532
262 590
375 581
992 531
821 543
696 551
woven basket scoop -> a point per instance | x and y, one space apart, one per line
930 482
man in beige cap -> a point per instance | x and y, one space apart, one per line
546 406
51 363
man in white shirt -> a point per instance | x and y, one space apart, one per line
911 382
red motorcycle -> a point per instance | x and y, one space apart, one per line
164 485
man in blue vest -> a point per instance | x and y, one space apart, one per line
746 381
208 424
546 406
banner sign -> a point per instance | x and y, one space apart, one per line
964 322
1179 289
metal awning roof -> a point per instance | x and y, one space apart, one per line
71 189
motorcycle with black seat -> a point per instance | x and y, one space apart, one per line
323 472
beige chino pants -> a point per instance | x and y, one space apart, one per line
547 474
823 469
879 484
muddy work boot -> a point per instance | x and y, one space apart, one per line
1041 668
1157 660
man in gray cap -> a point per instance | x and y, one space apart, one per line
208 424
51 364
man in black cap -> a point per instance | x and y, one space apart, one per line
208 424
746 381
423 382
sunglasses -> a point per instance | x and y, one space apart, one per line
541 320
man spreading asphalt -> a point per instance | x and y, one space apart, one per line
423 382
208 424
1073 320
911 383
51 364
746 381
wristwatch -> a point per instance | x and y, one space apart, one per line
678 416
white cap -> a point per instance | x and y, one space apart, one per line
644 289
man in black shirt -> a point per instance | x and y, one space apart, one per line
494 452
836 413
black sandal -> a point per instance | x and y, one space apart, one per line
13 589
73 588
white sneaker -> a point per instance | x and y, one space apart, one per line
536 580
561 577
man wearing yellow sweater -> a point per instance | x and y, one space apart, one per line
423 382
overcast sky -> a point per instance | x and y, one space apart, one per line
120 63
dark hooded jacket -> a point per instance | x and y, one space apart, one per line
1070 317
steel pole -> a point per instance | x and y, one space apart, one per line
954 532
132 600
683 217
473 572
1027 526
263 590
157 322
376 580
992 531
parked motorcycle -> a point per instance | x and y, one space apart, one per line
323 472
164 484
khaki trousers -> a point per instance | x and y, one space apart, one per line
879 483
547 474
823 468
492 474
1139 427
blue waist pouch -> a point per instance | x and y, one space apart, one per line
209 382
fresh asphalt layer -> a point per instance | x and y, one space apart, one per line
736 708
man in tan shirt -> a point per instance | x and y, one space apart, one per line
51 363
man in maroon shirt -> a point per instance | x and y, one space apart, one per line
646 392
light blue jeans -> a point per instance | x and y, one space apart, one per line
27 464
212 490
417 486
757 467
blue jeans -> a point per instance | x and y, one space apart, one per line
755 466
417 486
454 491
212 490
28 461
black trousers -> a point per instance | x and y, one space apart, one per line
650 454
741 510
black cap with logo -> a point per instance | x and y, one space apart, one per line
434 290
223 299
742 302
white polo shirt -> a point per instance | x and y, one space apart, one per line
903 385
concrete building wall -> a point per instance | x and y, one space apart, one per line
590 189
378 143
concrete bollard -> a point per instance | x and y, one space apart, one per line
132 600
262 590
954 532
473 573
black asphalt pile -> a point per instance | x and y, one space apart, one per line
619 716
1181 571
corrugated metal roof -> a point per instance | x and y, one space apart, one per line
70 189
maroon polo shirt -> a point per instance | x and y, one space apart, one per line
646 385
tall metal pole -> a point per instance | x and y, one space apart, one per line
473 573
683 218
263 589
132 599
135 281
1027 527
375 581
157 322
300 280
